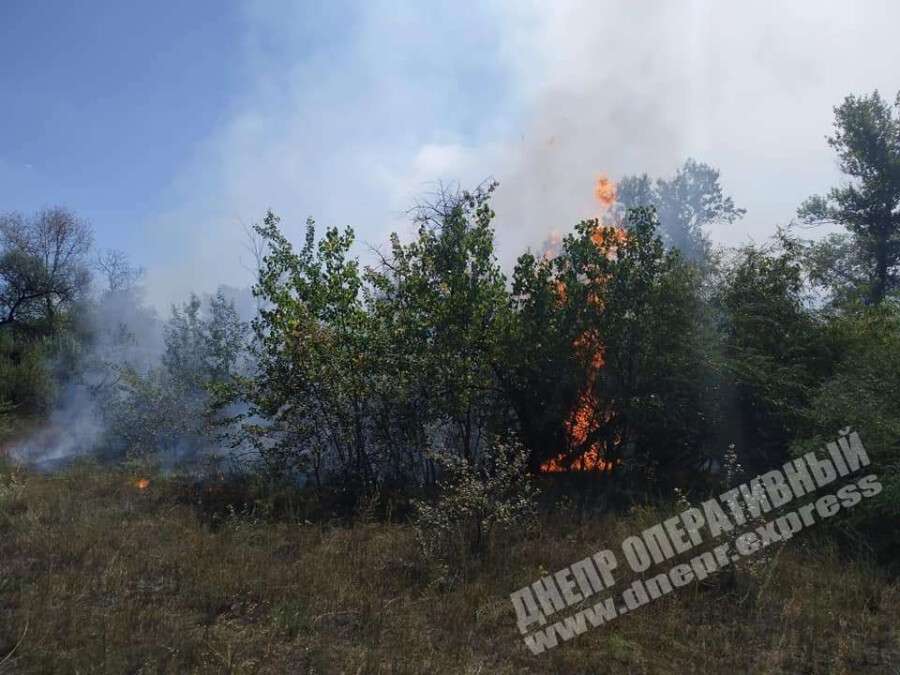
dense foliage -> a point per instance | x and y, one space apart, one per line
634 350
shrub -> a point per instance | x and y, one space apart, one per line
5 418
12 486
25 378
478 504
862 395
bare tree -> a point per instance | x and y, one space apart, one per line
43 265
119 273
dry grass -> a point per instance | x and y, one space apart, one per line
98 576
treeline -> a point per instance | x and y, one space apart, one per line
634 350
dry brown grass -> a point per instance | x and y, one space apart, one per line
98 576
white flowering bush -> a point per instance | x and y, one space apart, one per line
477 505
757 566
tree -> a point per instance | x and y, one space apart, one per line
775 351
543 376
358 375
837 266
167 409
445 298
119 273
43 266
314 359
685 204
867 141
610 352
861 394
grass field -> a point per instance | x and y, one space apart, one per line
98 575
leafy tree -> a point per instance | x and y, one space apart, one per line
542 375
867 141
775 350
837 266
314 366
656 379
199 349
445 298
861 394
167 409
686 204
626 339
26 379
43 267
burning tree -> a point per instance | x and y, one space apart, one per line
612 368
595 359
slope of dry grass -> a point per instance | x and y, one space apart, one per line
99 576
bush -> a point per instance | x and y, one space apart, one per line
12 487
25 378
478 505
5 418
862 395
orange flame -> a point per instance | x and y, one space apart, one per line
589 461
585 418
609 239
605 191
142 483
552 243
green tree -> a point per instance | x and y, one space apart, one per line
838 267
168 409
446 298
686 204
314 362
867 141
44 269
861 393
775 350
623 367
543 375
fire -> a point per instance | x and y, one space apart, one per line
142 483
550 248
586 417
610 239
560 288
605 191
589 461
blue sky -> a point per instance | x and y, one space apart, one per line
172 126
105 100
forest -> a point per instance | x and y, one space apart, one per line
466 427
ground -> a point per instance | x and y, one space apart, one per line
97 575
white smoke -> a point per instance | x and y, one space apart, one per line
123 332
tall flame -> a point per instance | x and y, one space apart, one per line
586 417
605 191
